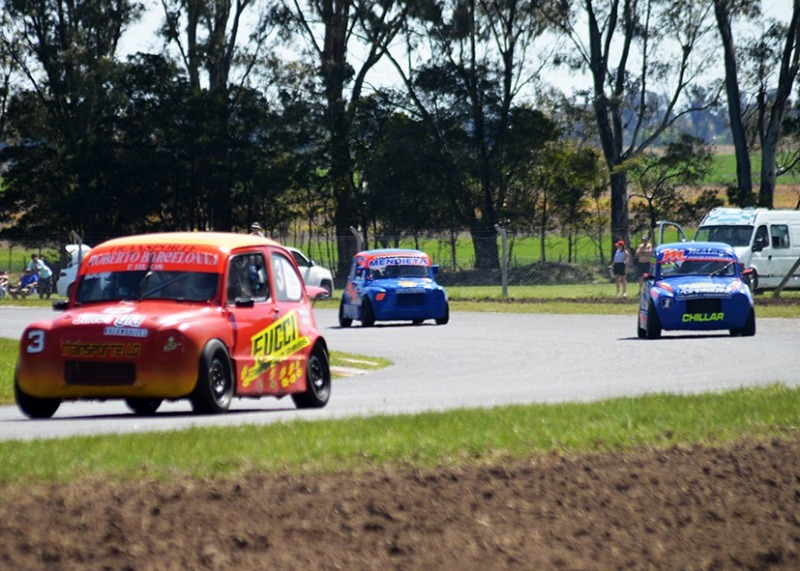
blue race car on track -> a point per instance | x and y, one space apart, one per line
393 285
695 286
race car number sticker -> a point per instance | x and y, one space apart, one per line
275 345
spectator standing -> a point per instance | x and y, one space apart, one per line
256 229
45 274
643 253
4 284
619 268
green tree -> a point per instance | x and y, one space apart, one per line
327 28
465 93
63 123
632 48
661 180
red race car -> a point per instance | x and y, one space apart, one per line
201 316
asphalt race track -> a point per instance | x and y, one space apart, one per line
477 360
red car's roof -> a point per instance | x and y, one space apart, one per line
193 251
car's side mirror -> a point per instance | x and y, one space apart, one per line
435 269
60 305
647 276
747 272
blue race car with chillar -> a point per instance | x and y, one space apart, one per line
697 286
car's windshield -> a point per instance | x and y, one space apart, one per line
718 267
733 235
389 272
117 286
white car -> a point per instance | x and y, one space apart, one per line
66 277
313 274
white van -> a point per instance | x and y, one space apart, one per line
766 240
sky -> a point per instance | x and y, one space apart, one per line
142 37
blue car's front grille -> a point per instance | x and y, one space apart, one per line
703 305
410 299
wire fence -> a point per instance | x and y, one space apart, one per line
550 258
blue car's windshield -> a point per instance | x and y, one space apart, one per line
389 272
118 286
721 267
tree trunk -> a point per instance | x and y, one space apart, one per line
484 241
744 176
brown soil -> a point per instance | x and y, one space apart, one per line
735 507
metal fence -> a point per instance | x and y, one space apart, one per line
550 258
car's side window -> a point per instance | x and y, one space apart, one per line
301 260
288 284
780 236
247 278
761 237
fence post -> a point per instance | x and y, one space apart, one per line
504 258
357 234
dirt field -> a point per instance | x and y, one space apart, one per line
736 507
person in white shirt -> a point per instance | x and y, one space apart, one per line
45 274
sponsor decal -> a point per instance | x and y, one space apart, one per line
702 317
273 348
125 332
154 257
703 290
110 318
100 350
397 261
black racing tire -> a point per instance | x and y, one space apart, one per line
34 407
214 390
367 314
343 321
640 332
445 319
318 381
749 328
143 406
653 330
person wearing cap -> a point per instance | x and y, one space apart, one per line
619 268
256 230
643 253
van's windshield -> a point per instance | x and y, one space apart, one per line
733 235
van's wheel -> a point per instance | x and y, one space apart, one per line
754 282
214 390
318 381
34 407
328 287
367 315
143 406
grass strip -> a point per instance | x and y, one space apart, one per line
421 440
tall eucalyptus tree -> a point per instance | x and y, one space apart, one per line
346 38
632 49
219 43
467 92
